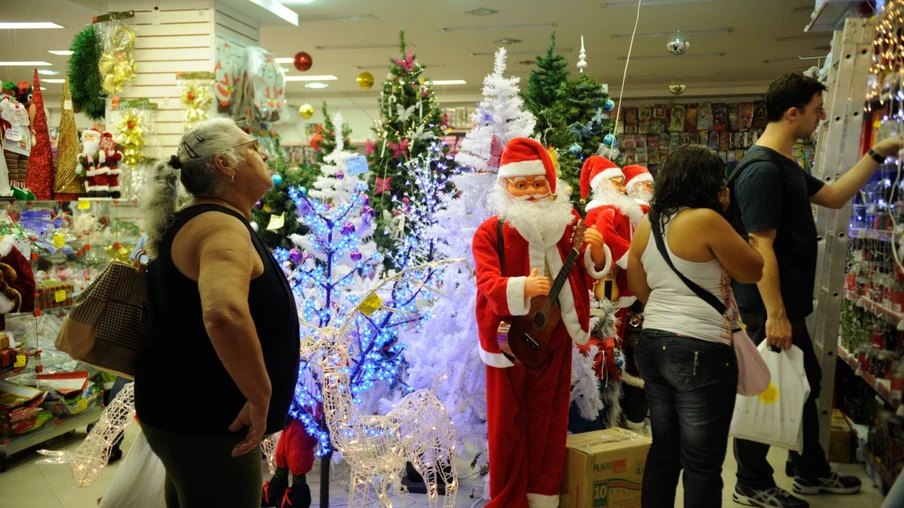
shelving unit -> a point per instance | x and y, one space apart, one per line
831 15
881 386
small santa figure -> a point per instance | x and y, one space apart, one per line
111 158
639 183
518 253
91 163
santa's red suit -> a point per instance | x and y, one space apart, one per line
112 157
635 174
527 409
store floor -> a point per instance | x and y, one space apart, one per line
28 485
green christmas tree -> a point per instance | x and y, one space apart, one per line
410 122
329 136
543 84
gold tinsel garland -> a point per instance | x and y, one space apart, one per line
117 65
132 128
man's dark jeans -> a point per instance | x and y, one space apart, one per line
691 386
754 470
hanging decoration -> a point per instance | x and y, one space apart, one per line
676 87
40 176
365 80
677 44
303 61
306 111
133 129
84 75
196 96
117 65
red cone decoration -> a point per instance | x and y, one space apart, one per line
41 171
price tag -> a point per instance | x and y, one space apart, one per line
276 222
356 165
84 204
13 134
67 105
370 305
59 241
20 361
60 296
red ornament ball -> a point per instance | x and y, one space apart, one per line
303 61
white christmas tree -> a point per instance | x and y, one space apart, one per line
443 354
337 180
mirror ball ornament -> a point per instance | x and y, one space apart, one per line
575 149
306 111
277 179
609 105
365 80
677 44
609 140
303 61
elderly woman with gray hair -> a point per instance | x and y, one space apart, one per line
223 370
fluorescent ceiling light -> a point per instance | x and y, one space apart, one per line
482 28
522 52
353 17
481 11
61 52
508 41
284 60
664 35
296 2
28 26
48 72
316 85
364 46
42 88
450 82
311 78
23 64
53 81
804 37
650 3
655 57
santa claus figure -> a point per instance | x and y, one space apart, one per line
518 253
639 183
91 164
111 158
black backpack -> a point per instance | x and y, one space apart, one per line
734 210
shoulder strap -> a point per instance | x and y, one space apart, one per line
699 291
500 244
763 156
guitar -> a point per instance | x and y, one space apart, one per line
526 338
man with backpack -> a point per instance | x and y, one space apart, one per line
772 197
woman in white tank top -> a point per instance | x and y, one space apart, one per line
684 353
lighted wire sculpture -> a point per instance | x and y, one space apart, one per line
418 429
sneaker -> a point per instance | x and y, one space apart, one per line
834 484
769 498
297 497
273 492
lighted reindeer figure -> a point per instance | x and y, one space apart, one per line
417 429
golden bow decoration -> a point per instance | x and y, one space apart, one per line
197 98
117 66
132 130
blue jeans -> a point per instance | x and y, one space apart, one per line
691 386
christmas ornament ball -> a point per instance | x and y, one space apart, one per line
365 200
574 149
609 140
365 80
356 255
306 111
677 44
277 179
609 105
340 176
259 204
254 226
295 256
303 61
348 228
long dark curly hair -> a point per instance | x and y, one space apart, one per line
692 176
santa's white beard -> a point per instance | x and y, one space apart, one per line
545 219
641 194
607 195
90 147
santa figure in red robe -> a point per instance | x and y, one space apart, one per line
527 409
639 183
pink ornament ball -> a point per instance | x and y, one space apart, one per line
295 256
356 255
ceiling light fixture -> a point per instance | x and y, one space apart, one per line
666 35
482 28
804 37
48 72
523 52
316 85
28 26
320 19
689 55
60 52
446 82
57 81
481 11
650 3
364 46
311 78
508 41
24 64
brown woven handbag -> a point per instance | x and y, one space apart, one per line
111 321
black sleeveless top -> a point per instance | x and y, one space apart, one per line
180 384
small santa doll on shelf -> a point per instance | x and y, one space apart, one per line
639 183
91 163
111 158
518 253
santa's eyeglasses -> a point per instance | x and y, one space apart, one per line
522 183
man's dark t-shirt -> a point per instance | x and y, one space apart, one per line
776 195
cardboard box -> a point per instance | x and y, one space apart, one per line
604 469
840 439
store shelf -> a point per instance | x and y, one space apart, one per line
831 15
890 315
874 467
50 431
881 386
870 234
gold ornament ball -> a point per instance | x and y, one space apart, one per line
365 80
306 111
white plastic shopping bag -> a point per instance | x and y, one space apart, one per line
774 417
139 479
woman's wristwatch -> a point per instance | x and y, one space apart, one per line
876 157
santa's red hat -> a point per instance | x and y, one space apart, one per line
635 174
527 157
596 169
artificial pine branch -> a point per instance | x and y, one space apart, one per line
84 75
